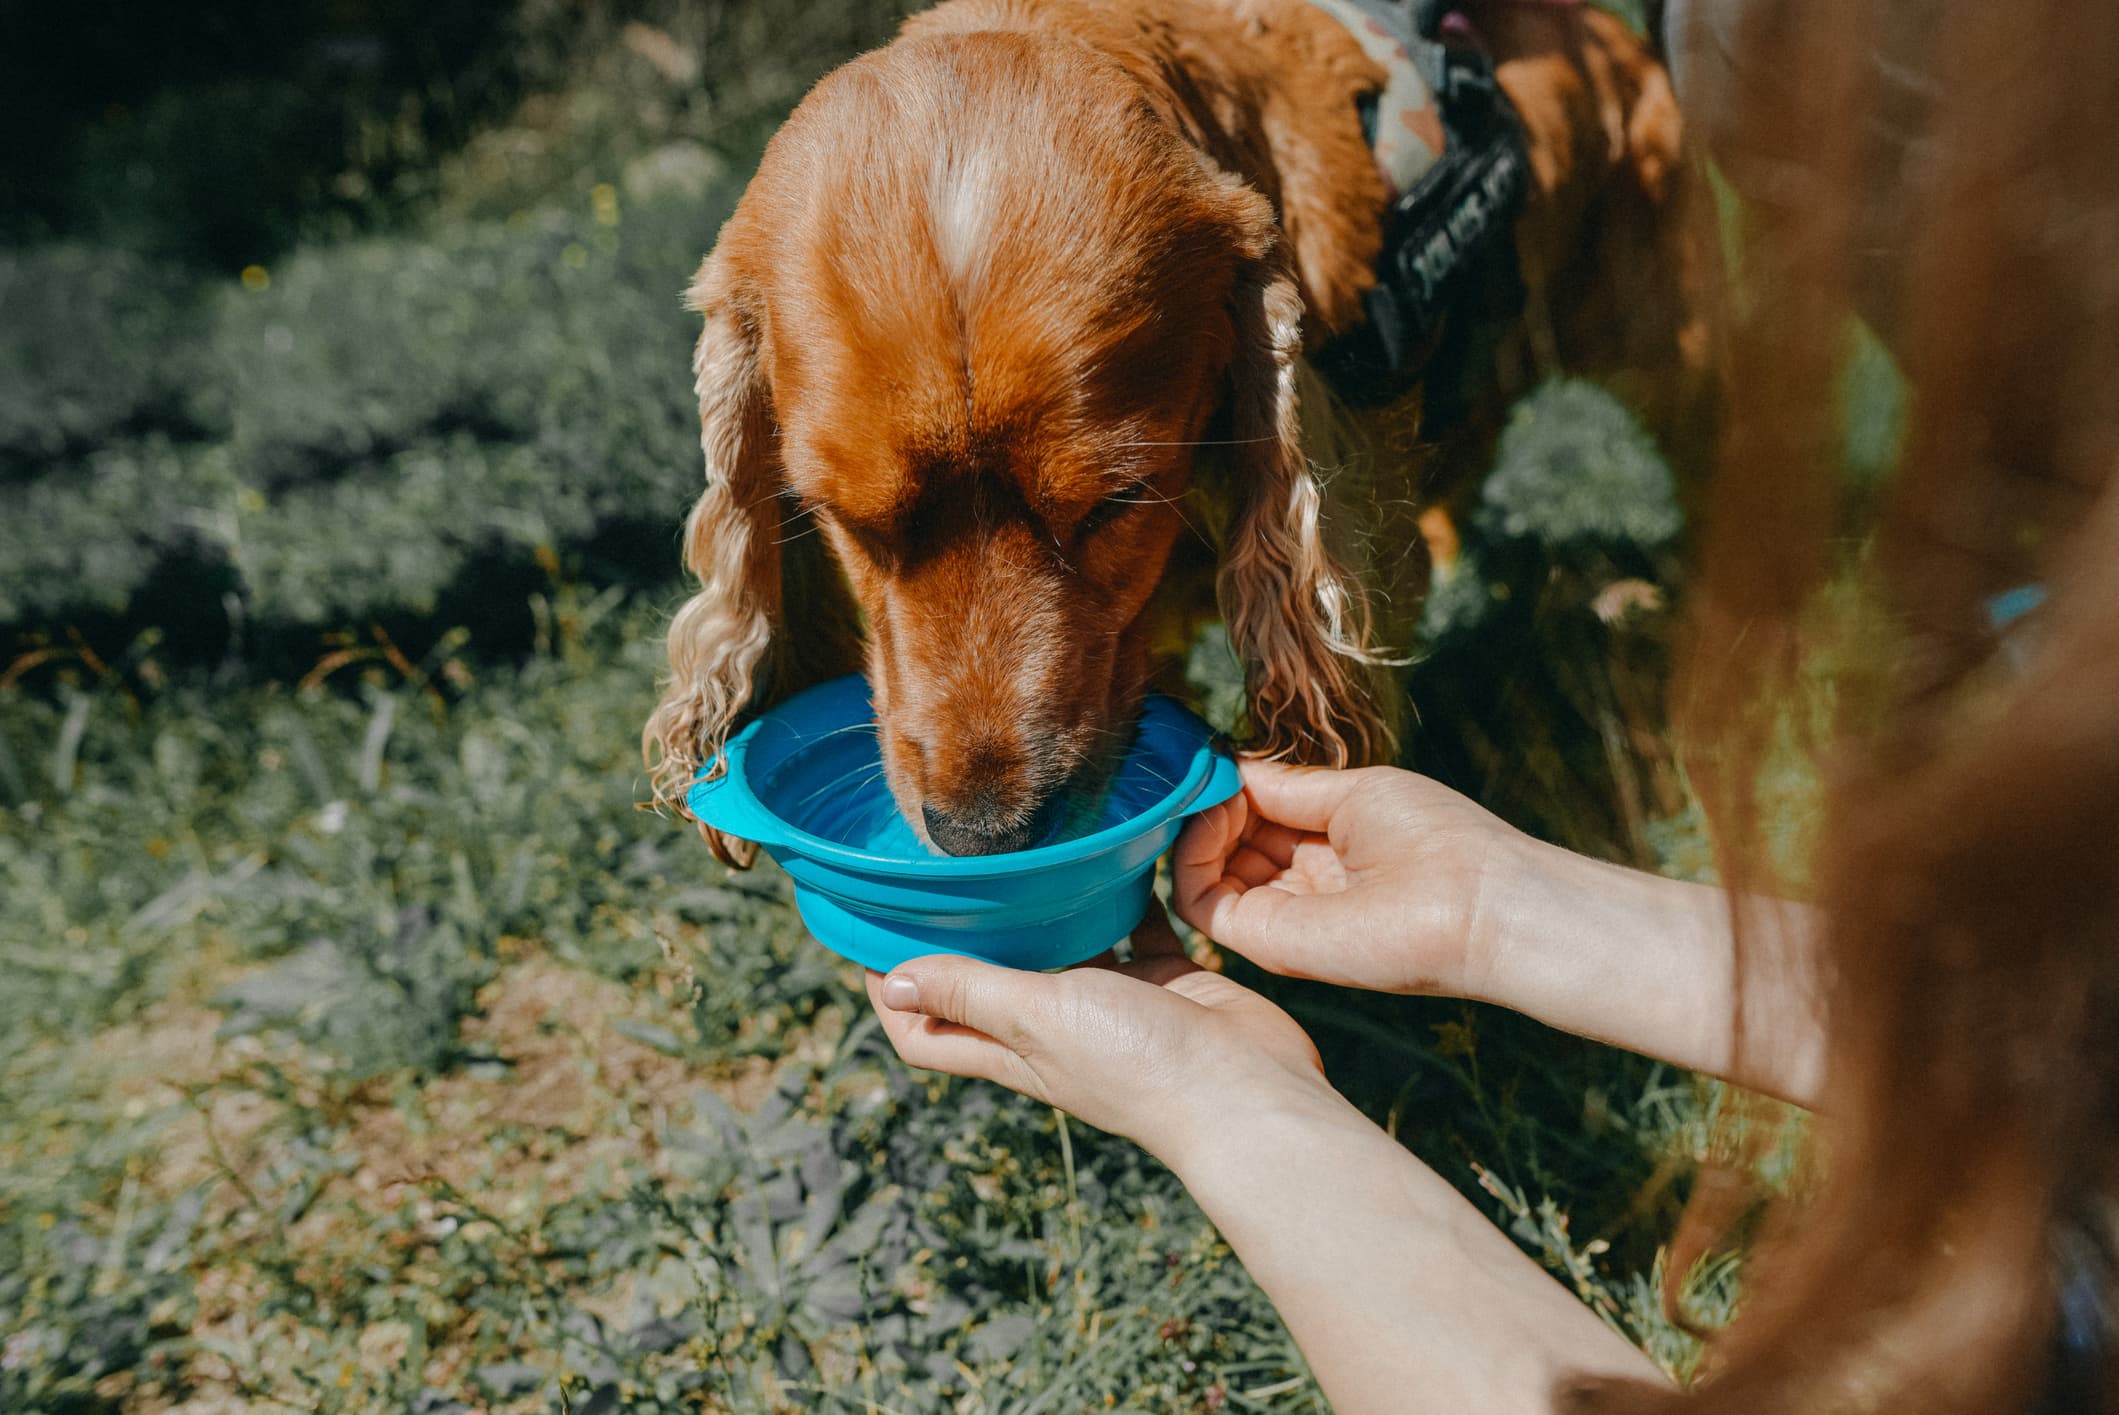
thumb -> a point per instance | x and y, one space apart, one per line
955 1014
1002 1003
1302 797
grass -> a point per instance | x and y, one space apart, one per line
364 1047
361 1053
387 1043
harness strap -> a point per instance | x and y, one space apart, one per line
1449 233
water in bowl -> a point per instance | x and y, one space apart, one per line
833 787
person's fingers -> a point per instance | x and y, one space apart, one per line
1304 797
1229 841
1005 1004
1251 869
1204 845
1233 913
1275 841
935 1045
1314 868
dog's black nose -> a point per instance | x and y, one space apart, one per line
987 830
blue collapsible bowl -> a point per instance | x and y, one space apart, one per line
805 781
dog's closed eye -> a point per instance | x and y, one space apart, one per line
1117 504
879 545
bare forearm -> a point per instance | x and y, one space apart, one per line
1655 966
1401 1294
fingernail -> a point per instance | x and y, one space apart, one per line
901 994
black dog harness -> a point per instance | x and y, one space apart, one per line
1449 141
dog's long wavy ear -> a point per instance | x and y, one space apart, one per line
1320 693
744 543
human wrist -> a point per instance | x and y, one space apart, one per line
1270 1111
1519 894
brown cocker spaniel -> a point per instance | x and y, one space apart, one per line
1003 384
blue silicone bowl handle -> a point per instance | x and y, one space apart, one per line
723 804
1222 784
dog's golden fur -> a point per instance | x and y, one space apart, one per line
1003 364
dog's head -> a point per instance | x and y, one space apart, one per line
975 313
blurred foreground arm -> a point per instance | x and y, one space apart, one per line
1402 1295
1386 880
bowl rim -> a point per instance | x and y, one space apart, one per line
1207 756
